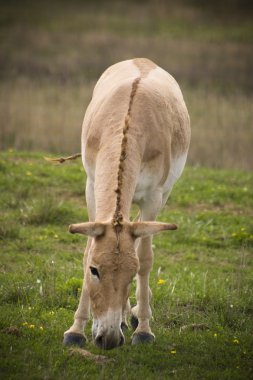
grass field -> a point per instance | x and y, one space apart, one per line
202 278
53 52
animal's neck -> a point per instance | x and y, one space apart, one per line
121 170
108 204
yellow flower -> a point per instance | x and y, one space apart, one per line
31 326
51 313
173 352
55 236
215 335
24 324
28 173
161 282
41 328
236 341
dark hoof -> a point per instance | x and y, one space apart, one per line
124 326
134 322
142 337
74 339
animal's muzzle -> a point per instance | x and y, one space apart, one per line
108 342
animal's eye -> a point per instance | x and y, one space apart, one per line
94 271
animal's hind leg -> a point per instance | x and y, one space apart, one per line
142 311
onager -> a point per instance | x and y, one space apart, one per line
135 139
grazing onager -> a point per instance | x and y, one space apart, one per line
135 139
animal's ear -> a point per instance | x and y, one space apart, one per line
92 229
142 229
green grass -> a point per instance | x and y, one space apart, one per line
206 268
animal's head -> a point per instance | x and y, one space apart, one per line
111 266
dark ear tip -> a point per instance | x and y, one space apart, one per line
173 227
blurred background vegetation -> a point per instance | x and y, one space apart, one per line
53 52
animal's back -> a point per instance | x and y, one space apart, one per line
159 120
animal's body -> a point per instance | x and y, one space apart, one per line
135 139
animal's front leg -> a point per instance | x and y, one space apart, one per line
142 311
75 334
126 314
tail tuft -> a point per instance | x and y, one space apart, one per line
61 160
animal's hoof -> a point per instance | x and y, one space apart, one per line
134 322
142 337
124 326
74 339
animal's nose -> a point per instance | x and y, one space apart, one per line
99 341
108 342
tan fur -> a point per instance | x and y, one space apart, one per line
144 65
135 138
118 217
115 268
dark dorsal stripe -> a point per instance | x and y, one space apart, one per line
118 217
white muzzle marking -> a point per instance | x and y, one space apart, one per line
106 330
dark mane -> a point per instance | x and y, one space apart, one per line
118 217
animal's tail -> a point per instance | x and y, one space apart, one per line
61 160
